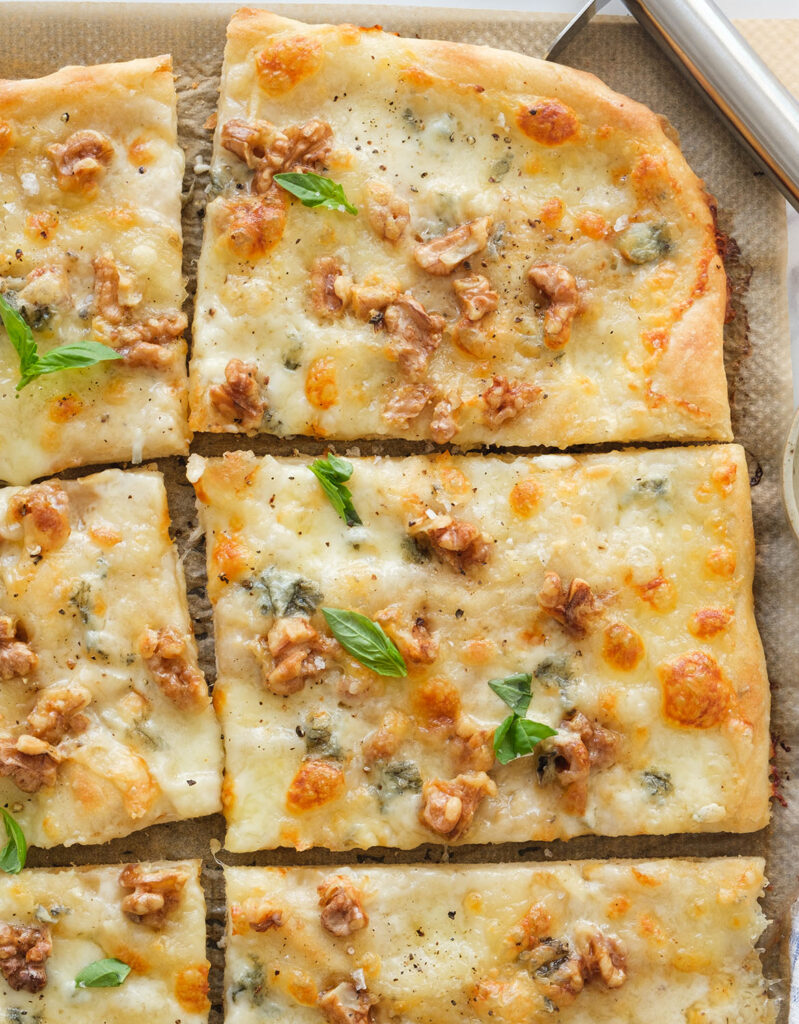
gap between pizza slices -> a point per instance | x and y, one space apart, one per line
532 261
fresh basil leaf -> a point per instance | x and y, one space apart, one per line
518 736
514 691
314 190
108 973
78 354
332 473
366 641
20 336
15 852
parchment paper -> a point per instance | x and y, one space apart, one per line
42 37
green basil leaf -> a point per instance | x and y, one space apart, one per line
15 852
518 736
514 690
314 190
107 973
503 741
74 356
20 336
365 641
332 472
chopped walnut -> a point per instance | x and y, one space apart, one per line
414 335
415 641
386 212
443 423
371 298
17 657
407 403
330 288
345 1004
473 746
458 543
251 226
574 606
239 400
568 757
28 771
296 653
560 288
269 150
476 296
57 713
448 807
44 286
257 914
43 510
505 399
164 653
442 255
24 950
140 342
557 971
602 955
80 162
156 892
385 741
342 906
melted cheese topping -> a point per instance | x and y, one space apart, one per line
441 945
672 662
451 130
112 411
84 608
82 909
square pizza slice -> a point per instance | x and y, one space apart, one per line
593 942
105 719
497 649
91 251
122 944
431 240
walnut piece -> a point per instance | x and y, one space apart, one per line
448 807
269 150
407 403
292 652
560 288
164 653
415 641
443 422
345 1004
24 950
574 606
239 399
28 771
456 542
569 757
475 296
505 399
17 657
413 334
442 255
386 212
330 287
57 713
602 955
80 162
156 892
43 510
342 906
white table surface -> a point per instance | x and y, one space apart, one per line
732 8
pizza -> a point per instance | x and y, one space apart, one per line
367 671
90 179
105 720
60 928
597 941
487 249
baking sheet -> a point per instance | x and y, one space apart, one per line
757 354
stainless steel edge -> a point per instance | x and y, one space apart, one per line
707 48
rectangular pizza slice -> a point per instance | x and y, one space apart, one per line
90 255
431 240
495 649
105 719
593 942
123 944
